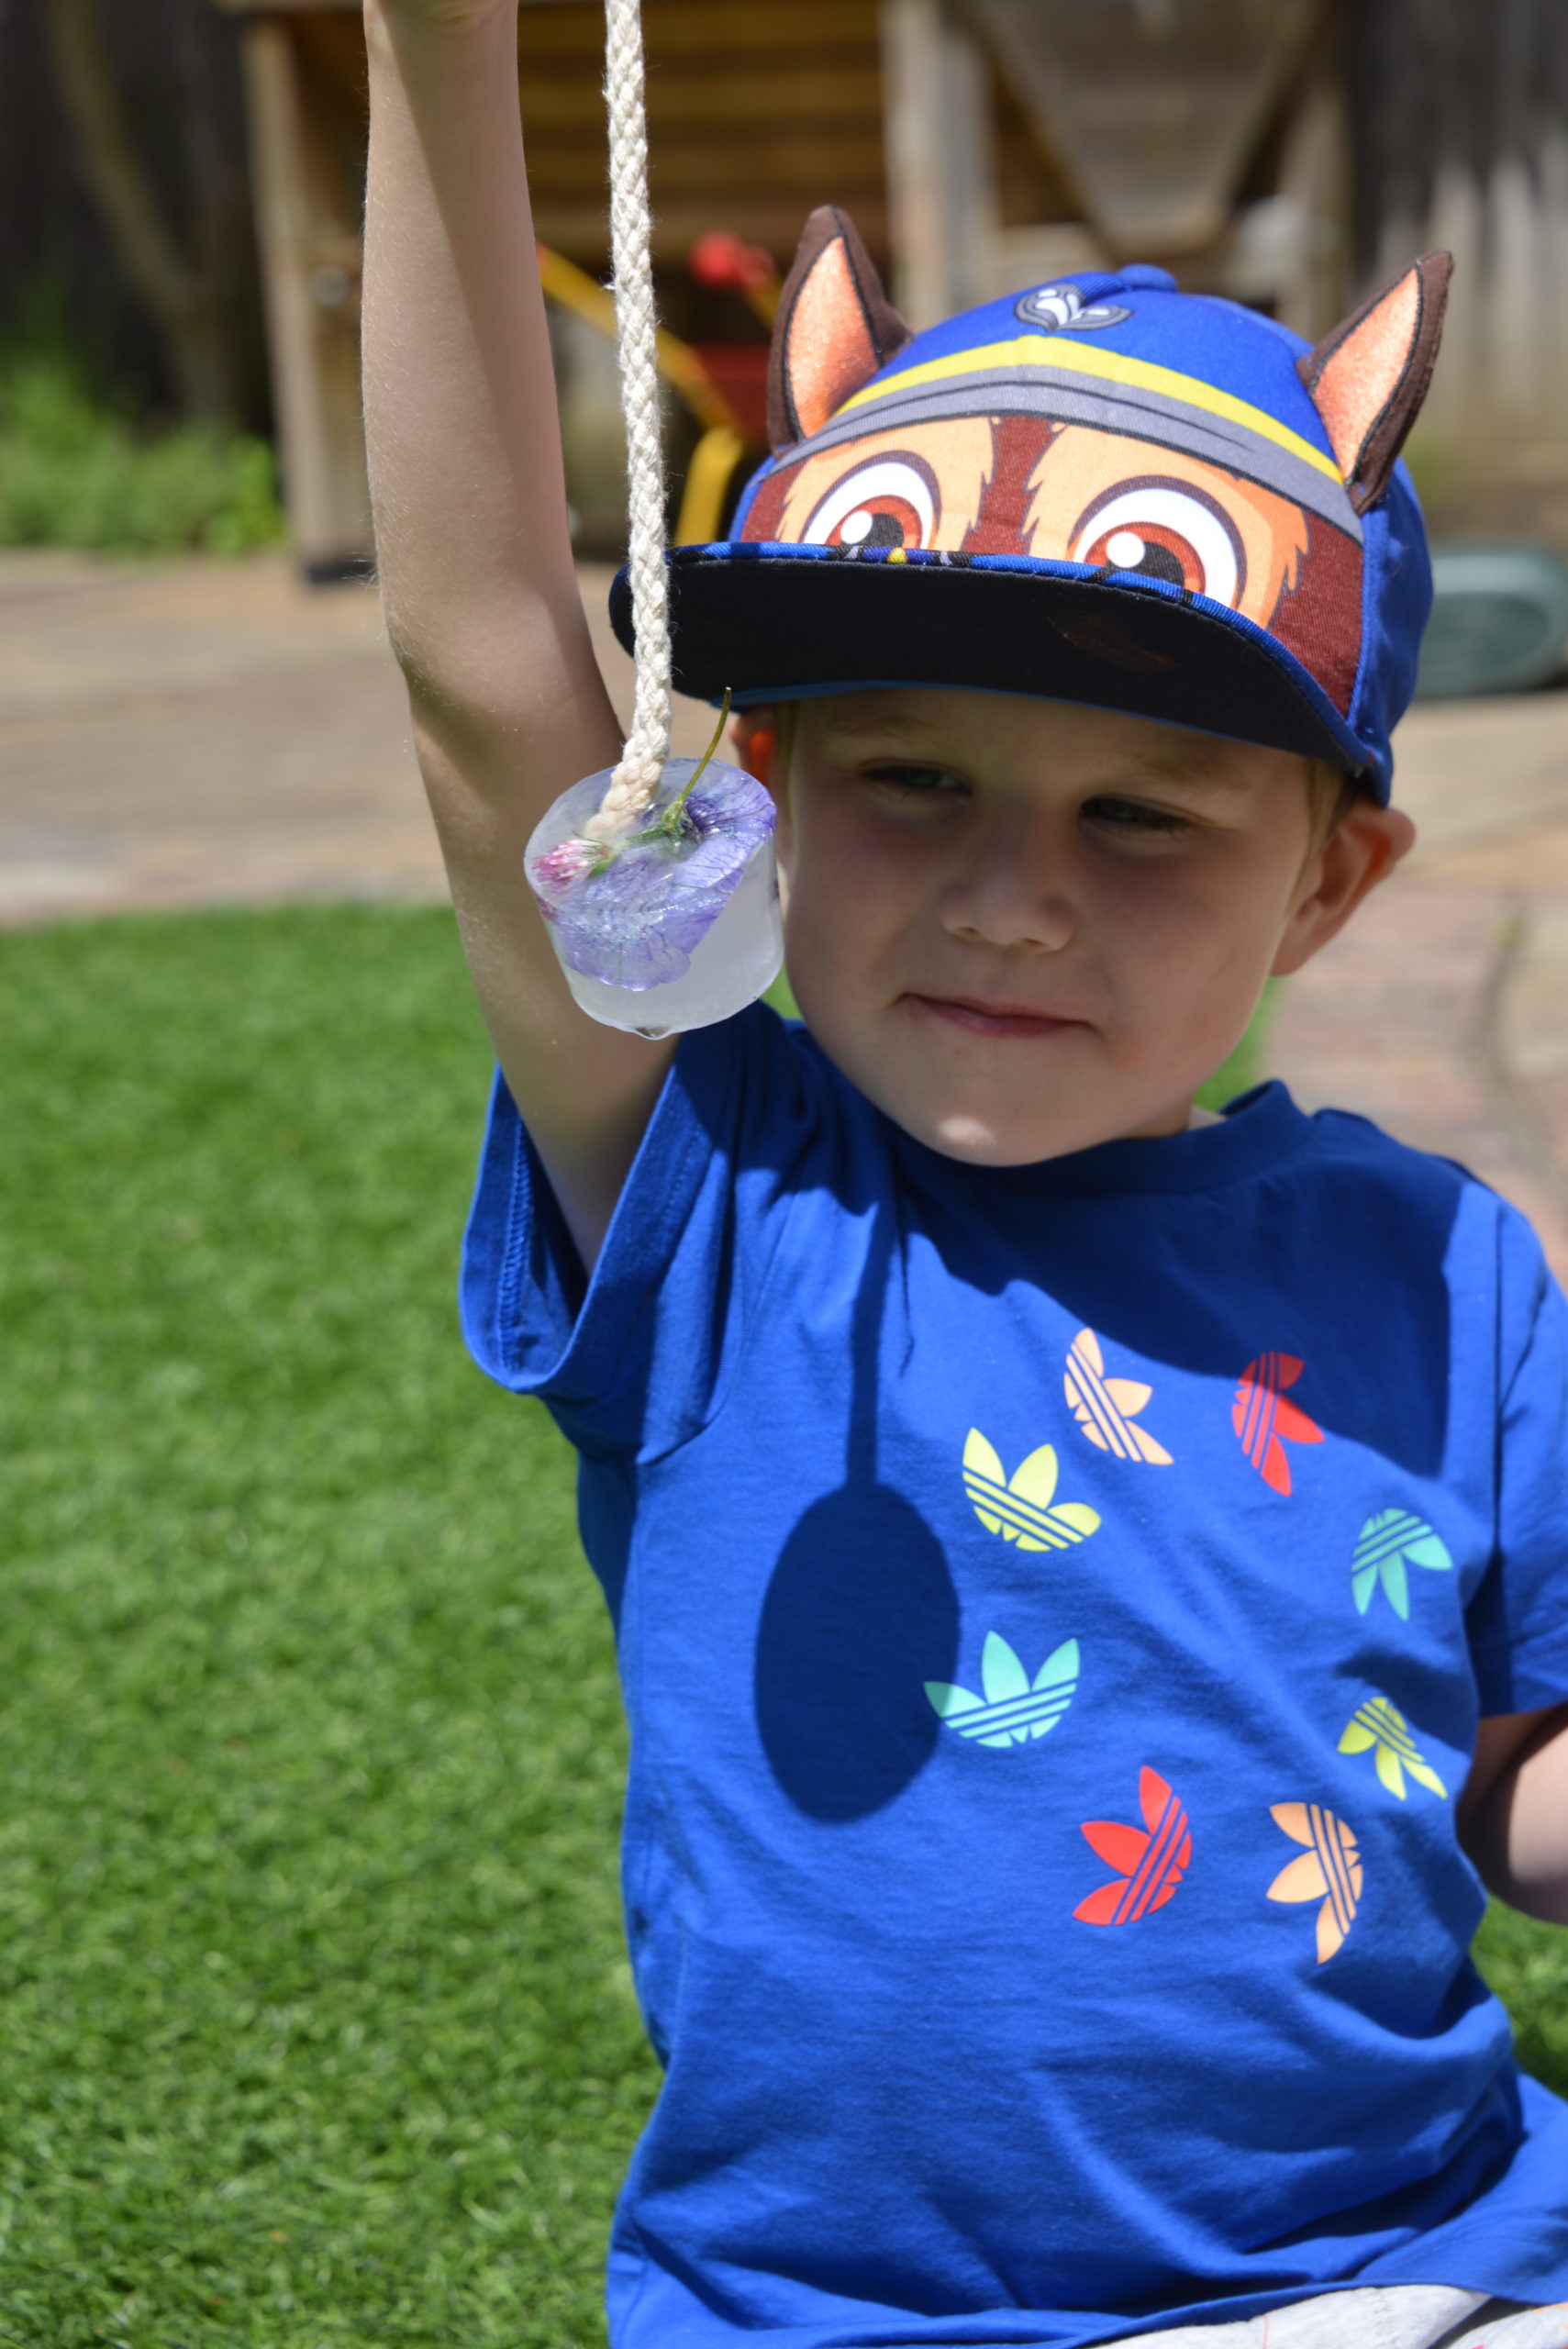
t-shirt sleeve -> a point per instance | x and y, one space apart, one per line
1518 1619
635 1361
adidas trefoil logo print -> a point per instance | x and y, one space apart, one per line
1378 1725
1013 1707
1262 1417
1106 1408
1329 1870
1021 1511
1386 1544
1150 1860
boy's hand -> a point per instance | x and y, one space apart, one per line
475 561
1513 1814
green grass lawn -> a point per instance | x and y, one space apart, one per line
315 2022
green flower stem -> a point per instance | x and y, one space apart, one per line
671 819
669 826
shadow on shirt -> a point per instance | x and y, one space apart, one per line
1347 1271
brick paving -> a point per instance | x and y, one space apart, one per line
200 733
1442 1011
212 733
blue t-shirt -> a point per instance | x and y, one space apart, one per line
1055 1607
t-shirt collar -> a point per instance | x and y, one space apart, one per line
1257 1130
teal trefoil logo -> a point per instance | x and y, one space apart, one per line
1013 1707
1386 1544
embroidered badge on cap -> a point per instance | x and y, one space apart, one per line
1053 306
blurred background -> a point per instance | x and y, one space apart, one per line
180 185
315 2023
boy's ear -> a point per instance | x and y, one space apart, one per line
834 328
1362 851
1369 377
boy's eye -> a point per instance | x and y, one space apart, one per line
888 501
917 782
1165 533
1134 816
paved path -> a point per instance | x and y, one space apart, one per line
1442 1011
203 734
211 734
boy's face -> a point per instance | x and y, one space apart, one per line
1022 928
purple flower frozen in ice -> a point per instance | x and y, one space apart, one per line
636 921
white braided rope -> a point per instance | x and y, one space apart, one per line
636 779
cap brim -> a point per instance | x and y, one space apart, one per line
775 622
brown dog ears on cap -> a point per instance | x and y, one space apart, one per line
1369 377
836 327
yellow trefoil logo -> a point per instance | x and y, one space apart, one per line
1377 1725
1021 1509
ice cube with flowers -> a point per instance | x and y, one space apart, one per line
675 922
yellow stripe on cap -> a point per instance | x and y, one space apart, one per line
1111 367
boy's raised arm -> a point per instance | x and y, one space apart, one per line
475 561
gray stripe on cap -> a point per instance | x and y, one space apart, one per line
1136 414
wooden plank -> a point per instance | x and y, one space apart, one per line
271 90
1315 183
941 180
343 8
712 105
582 232
689 167
335 50
758 109
756 112
310 272
704 27
681 24
1031 189
1152 115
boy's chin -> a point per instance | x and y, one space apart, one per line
1033 1119
979 1142
1009 1139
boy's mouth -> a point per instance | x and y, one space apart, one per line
983 1016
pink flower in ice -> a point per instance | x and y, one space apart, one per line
560 866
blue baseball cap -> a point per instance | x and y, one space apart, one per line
1099 490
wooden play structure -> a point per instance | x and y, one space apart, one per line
1249 145
755 107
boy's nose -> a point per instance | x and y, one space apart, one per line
1011 894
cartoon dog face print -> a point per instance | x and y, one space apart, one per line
1020 486
922 487
1119 504
1044 446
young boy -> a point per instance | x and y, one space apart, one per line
1087 1576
